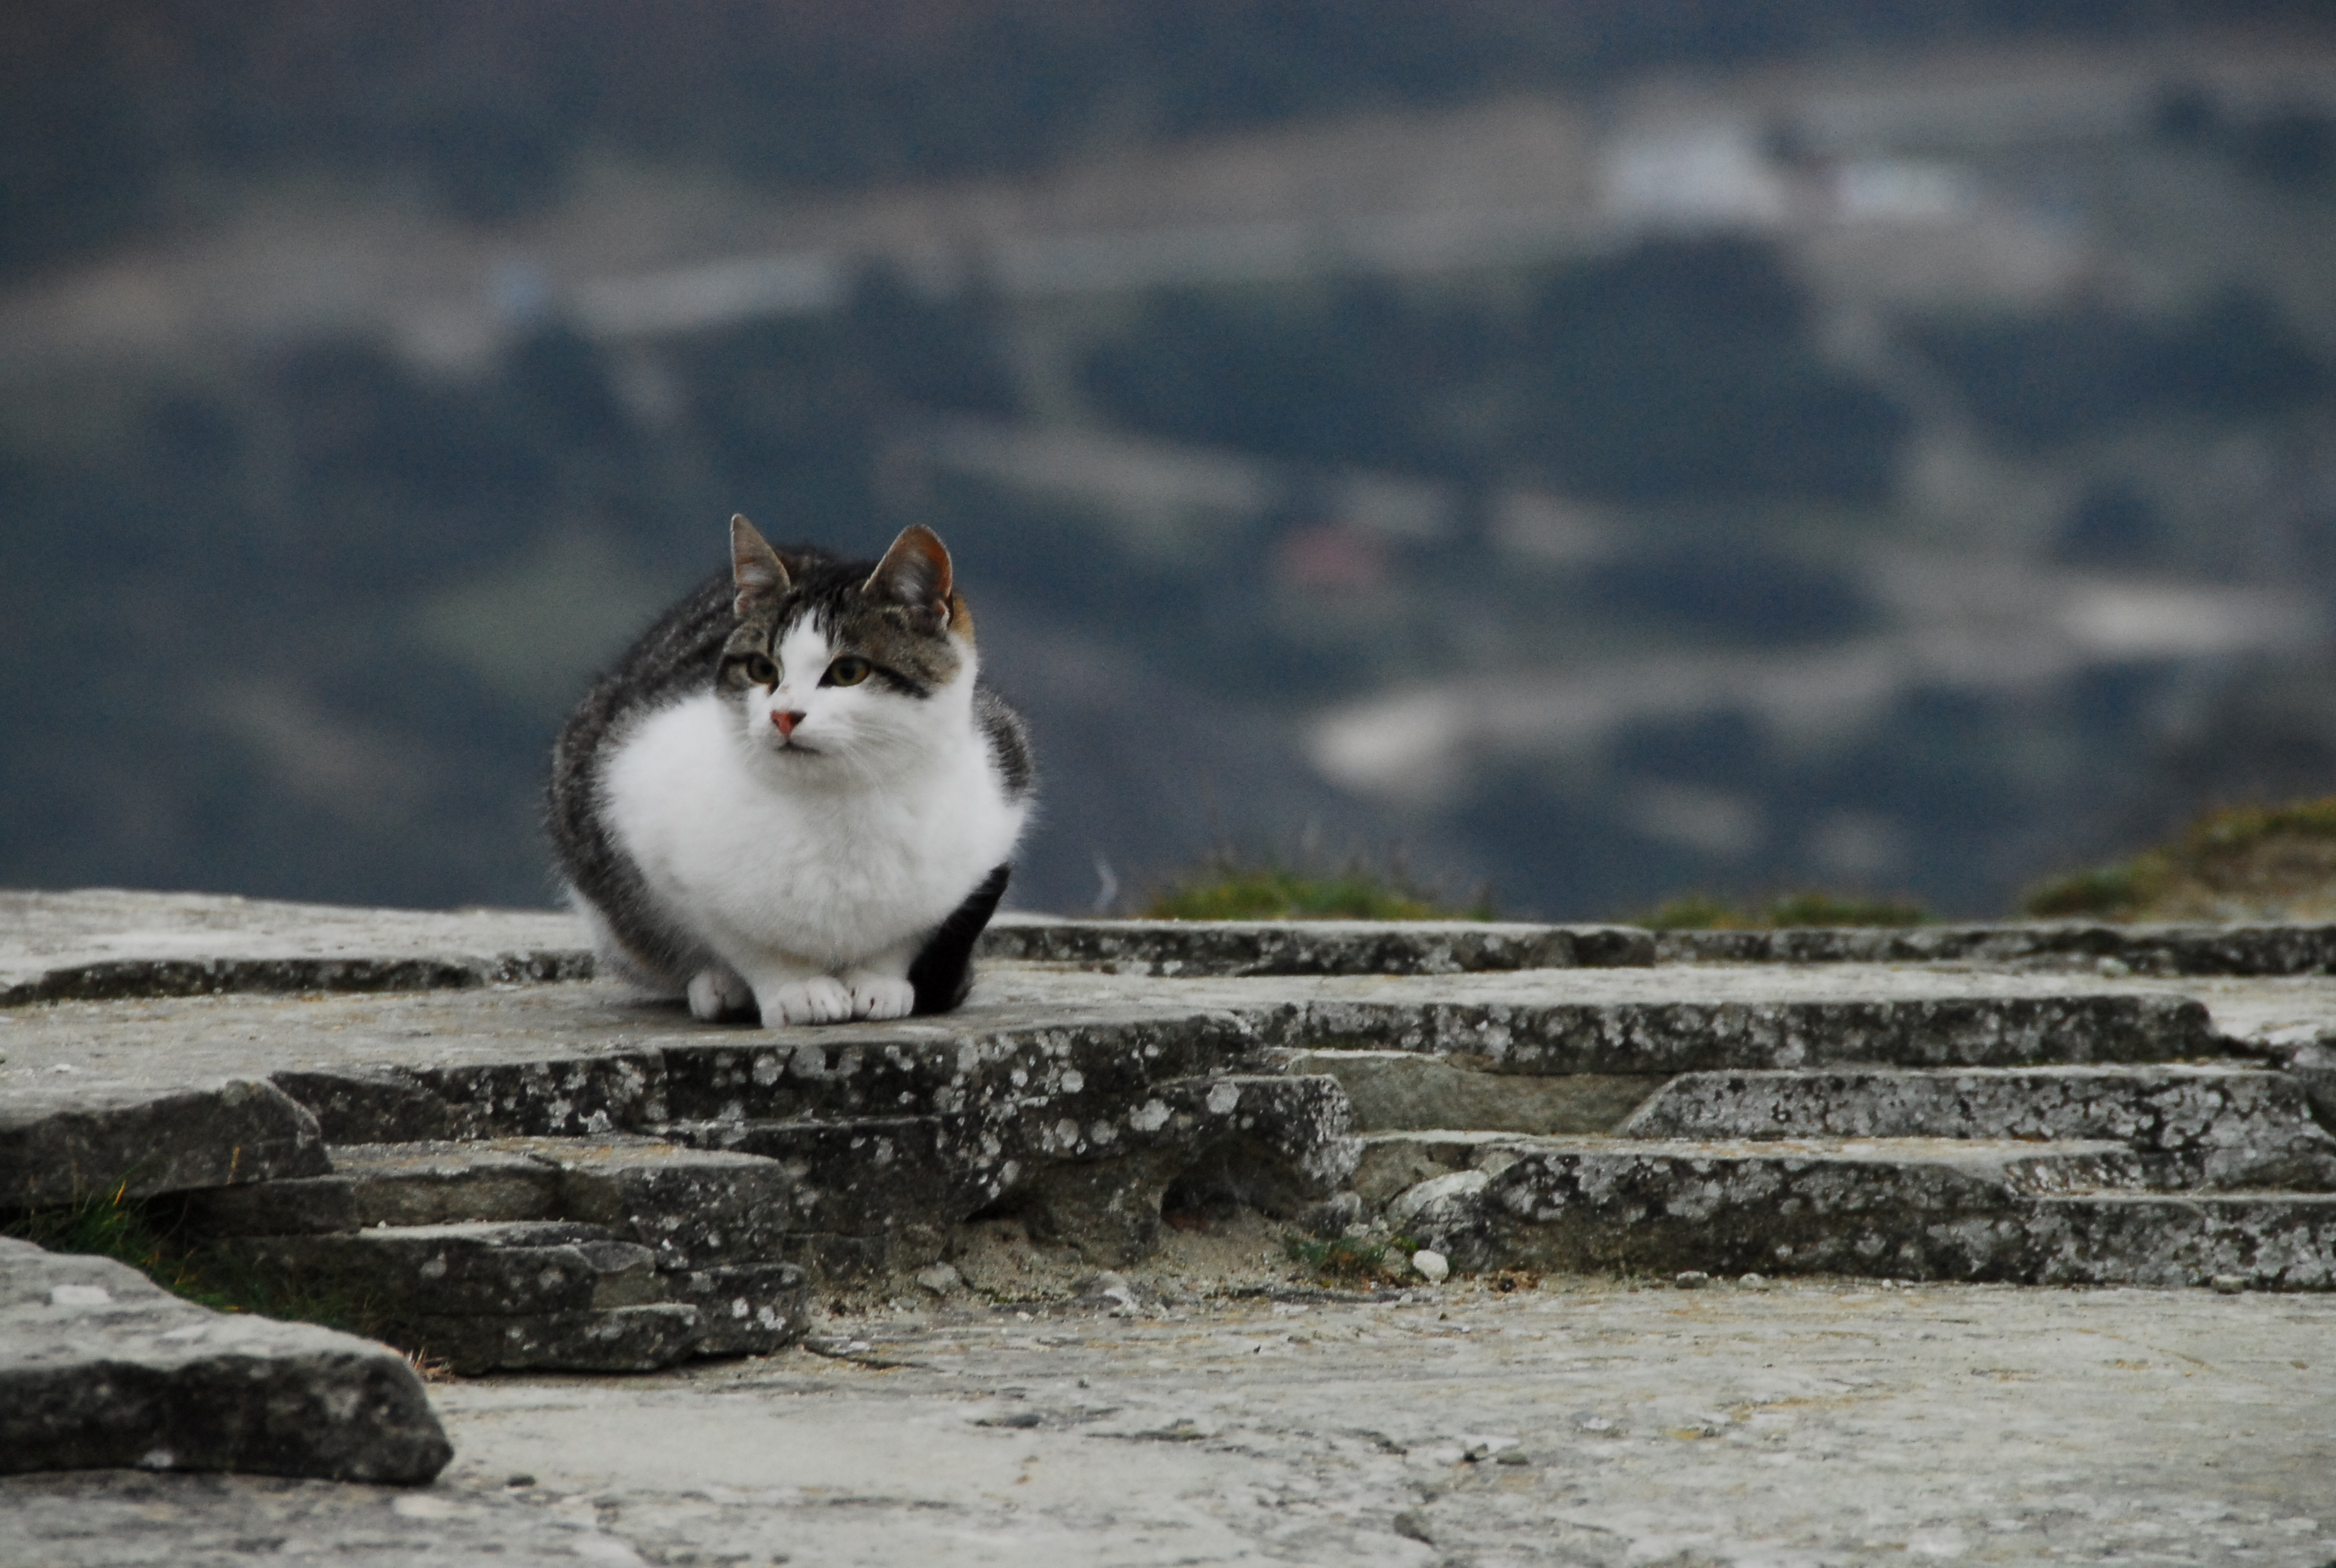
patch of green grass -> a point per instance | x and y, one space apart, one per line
144 1234
1223 889
2260 857
2112 892
1706 912
1345 1261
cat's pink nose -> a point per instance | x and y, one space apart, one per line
786 721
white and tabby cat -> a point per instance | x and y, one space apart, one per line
791 795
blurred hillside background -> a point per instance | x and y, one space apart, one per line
1601 448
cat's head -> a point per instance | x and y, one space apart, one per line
841 665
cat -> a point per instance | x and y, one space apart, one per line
793 797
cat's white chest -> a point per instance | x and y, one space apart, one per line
832 875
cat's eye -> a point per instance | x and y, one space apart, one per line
761 671
849 670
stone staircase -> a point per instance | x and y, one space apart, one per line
607 1253
520 1170
2046 1139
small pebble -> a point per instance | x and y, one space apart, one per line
518 1478
1434 1267
2229 1284
1412 1525
1690 1278
1512 1456
942 1280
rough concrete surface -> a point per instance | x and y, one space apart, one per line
100 1367
1576 1422
1087 1177
99 943
59 1140
1560 1020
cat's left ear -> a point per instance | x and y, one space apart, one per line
915 573
755 569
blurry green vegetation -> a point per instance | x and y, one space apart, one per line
1226 889
143 1234
1677 370
114 117
1704 913
2041 381
2239 862
345 597
1349 1261
355 598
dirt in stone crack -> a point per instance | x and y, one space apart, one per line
998 1258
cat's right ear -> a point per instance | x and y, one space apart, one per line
754 567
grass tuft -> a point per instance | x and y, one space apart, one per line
1706 912
144 1234
1224 888
2247 861
1347 1261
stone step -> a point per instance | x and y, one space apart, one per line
1898 1206
1983 1027
1089 1170
2196 1126
1397 1091
692 1207
495 1296
605 1255
101 1367
1186 948
2262 1240
2165 949
2067 1212
932 1070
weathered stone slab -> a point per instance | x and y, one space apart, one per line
2265 1240
2169 950
487 1269
400 1185
371 1105
1170 949
555 1095
1407 1090
633 1338
1811 1422
1388 1163
744 1309
867 1177
940 1069
1902 1208
98 1367
1672 1037
2194 1125
1089 1170
58 1144
692 1208
96 943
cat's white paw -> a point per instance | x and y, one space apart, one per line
716 994
820 1000
879 995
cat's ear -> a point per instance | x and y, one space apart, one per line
915 572
754 567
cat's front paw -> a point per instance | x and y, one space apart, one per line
717 994
879 995
820 1000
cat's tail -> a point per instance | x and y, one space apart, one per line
614 960
942 972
